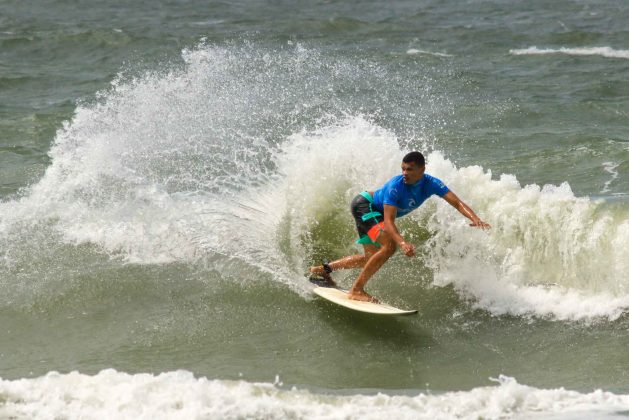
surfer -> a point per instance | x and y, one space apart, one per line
375 214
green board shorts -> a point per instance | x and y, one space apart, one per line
369 223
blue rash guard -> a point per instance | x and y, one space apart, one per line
407 197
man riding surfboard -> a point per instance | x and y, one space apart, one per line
375 213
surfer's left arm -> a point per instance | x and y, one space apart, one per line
465 210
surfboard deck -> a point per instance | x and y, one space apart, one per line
339 297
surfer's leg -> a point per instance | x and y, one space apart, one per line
373 264
360 207
352 261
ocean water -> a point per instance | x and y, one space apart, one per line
170 170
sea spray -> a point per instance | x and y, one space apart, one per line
180 164
549 253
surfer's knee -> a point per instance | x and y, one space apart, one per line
389 250
387 245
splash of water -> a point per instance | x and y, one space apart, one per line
253 156
549 253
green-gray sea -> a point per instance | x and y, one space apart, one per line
169 170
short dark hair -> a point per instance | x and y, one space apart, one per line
415 157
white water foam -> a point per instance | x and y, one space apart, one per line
610 168
415 51
179 395
606 52
549 253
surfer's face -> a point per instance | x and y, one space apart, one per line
412 172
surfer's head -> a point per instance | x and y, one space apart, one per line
413 167
414 157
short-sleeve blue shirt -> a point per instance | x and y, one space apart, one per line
407 197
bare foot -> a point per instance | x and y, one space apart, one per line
362 296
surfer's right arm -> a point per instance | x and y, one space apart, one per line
389 226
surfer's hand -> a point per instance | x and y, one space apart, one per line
408 249
480 224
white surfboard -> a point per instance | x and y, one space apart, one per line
340 297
